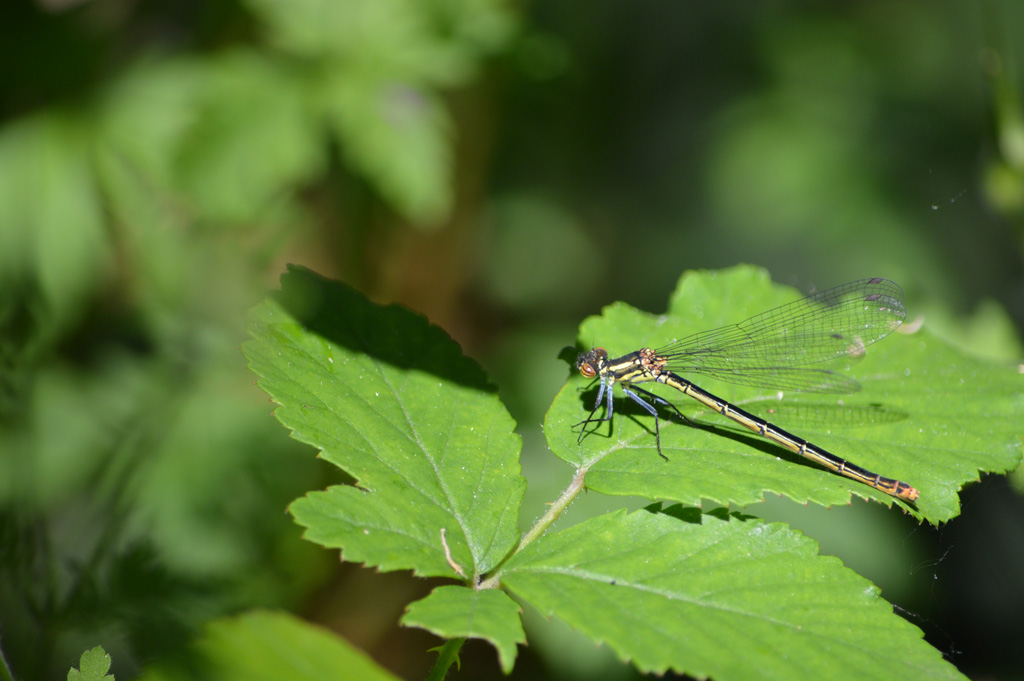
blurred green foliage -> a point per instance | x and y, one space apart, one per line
504 169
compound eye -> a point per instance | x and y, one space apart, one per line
587 370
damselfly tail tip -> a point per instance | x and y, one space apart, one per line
907 493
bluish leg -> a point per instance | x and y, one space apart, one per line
651 410
605 393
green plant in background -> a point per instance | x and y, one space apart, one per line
389 399
138 215
257 645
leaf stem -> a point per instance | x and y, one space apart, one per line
449 654
542 524
5 670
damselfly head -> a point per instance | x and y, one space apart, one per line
589 363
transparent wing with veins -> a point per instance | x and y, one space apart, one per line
780 348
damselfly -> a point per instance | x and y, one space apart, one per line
786 348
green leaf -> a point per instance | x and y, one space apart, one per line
399 136
380 67
51 215
391 400
718 595
927 415
253 139
460 612
402 40
228 136
270 646
92 666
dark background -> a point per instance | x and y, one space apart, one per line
505 169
